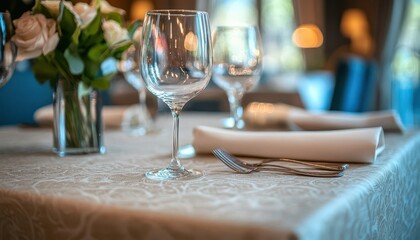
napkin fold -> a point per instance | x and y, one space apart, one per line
113 116
349 146
262 115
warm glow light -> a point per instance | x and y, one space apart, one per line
308 36
354 23
139 9
355 26
191 42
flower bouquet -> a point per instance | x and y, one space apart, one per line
75 48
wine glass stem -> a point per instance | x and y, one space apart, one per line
143 113
142 97
175 163
235 98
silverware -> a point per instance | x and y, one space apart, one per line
241 166
265 161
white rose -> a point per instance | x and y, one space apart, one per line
85 12
34 35
53 6
106 8
113 32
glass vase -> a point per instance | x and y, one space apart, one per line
78 127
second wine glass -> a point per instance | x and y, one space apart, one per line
237 65
138 122
176 61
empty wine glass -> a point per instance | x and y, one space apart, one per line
142 122
237 57
176 60
7 49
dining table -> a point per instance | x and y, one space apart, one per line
106 196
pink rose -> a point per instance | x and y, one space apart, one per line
34 35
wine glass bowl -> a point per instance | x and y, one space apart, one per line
237 64
176 63
8 49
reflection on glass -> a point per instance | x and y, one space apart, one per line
7 49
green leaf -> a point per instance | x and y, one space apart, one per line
103 82
61 60
43 70
96 53
116 17
87 42
133 27
92 69
75 36
74 61
67 22
93 27
92 34
39 8
119 48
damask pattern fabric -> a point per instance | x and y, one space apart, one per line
106 196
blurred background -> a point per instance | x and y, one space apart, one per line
347 55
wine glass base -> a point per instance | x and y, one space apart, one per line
140 131
169 174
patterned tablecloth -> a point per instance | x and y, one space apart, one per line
106 196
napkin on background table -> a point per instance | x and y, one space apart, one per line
262 115
113 116
350 146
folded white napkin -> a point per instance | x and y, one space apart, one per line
350 146
113 116
277 115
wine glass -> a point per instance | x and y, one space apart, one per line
176 61
7 49
237 57
142 123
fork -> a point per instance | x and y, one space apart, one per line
265 162
242 167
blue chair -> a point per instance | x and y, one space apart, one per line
22 96
355 85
